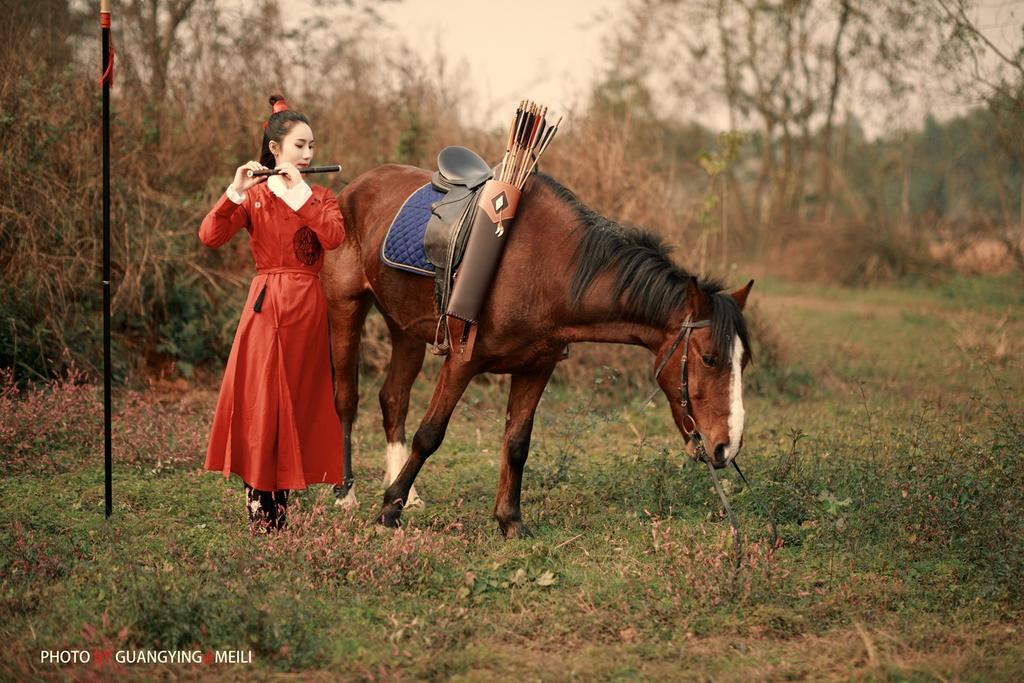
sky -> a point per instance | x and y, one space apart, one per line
554 61
562 53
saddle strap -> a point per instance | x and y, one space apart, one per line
444 277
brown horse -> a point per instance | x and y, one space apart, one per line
567 275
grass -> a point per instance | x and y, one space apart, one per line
894 472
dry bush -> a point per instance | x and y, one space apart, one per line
175 303
990 342
977 255
848 253
176 142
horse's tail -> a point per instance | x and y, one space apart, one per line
347 206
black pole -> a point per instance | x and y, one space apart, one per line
107 458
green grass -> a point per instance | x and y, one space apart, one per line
893 469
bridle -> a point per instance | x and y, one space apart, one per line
683 336
691 431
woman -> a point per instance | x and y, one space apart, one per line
275 425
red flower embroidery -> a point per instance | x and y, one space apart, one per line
307 246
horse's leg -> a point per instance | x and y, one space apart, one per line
347 317
527 388
406 361
452 382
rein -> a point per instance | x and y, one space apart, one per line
690 428
687 328
736 535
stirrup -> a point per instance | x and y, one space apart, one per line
440 347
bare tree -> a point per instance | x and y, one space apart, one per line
781 68
156 24
826 151
993 75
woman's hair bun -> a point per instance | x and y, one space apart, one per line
275 98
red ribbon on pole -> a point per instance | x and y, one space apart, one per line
108 75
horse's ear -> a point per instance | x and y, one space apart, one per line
741 294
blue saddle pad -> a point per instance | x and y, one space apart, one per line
403 245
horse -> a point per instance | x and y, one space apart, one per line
567 275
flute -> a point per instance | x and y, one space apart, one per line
308 169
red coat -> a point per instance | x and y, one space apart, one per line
275 424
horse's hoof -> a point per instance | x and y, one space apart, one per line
349 502
390 517
414 500
515 530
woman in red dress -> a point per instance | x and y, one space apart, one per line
275 425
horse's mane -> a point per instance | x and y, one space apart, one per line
654 286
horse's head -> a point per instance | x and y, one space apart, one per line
699 367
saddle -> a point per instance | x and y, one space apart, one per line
460 167
461 174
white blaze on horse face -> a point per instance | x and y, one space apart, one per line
736 413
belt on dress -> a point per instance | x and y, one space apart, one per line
258 305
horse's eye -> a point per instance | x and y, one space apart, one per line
709 360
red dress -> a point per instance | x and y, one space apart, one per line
275 424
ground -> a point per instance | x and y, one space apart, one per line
885 440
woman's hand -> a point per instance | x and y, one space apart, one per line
242 181
290 174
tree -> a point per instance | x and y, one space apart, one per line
783 70
993 75
156 24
